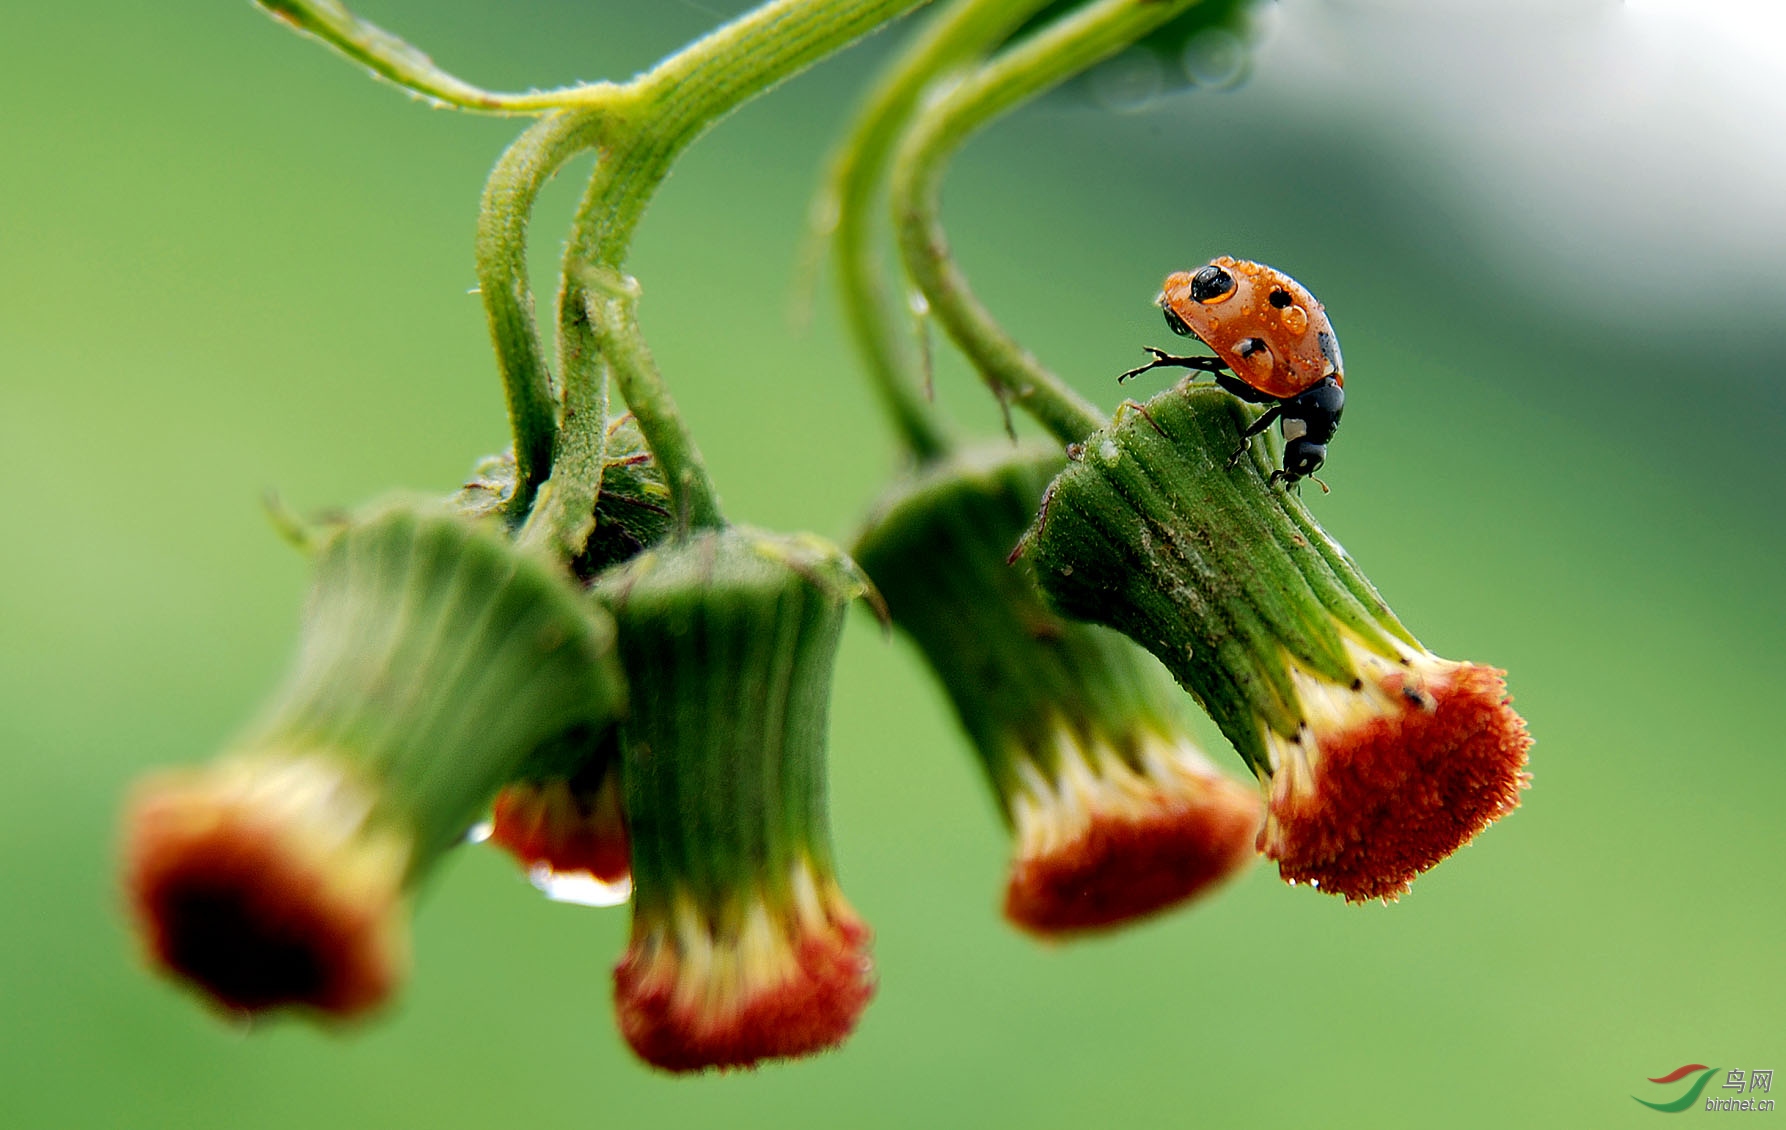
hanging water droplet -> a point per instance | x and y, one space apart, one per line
1214 57
479 832
1128 82
579 887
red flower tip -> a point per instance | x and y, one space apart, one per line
1390 778
778 984
546 824
1105 843
259 882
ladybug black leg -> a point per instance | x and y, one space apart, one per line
1295 481
1162 359
1257 426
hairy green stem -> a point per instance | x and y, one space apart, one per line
640 129
1057 52
965 31
610 309
672 105
395 60
508 201
877 319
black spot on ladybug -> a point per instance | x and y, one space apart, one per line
1211 283
1250 346
1280 298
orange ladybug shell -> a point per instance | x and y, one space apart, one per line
1299 348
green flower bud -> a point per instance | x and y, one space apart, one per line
1082 735
1378 757
743 948
435 659
563 820
631 512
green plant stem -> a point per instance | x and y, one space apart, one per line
669 107
1057 52
640 128
508 201
395 60
964 31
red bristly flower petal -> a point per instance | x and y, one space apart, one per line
785 985
1393 792
545 823
1108 844
247 885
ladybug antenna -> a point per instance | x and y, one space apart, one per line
1325 489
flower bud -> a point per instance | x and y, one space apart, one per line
1115 811
434 660
567 825
632 510
743 948
1378 758
563 819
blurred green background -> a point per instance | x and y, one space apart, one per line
229 263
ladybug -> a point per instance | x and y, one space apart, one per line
1273 345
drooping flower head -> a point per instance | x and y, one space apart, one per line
569 825
1115 812
1377 757
563 818
434 660
743 947
260 880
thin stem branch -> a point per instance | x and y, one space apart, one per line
508 201
877 319
672 105
1041 61
611 306
640 129
598 315
395 60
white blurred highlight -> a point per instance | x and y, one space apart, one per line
1625 147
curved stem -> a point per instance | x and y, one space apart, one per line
507 205
611 307
881 327
641 128
1041 61
598 323
394 59
672 105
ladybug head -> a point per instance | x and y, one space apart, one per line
1302 458
1308 422
1263 323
